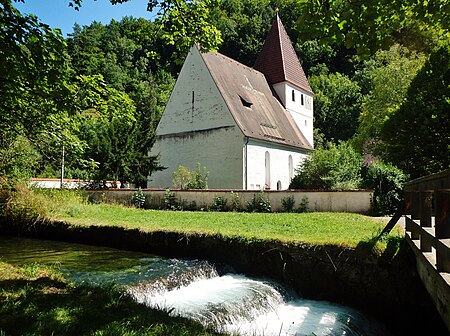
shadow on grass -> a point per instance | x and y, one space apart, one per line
48 307
387 247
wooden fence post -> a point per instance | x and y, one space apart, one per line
425 218
442 227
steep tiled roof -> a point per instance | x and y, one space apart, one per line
278 60
252 103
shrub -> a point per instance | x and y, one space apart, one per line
387 182
235 201
259 203
138 198
219 204
27 206
170 201
184 178
23 206
304 205
333 167
288 203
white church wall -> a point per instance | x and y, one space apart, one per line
195 102
197 127
281 168
218 150
300 105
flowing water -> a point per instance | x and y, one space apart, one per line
195 289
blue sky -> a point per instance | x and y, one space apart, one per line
58 14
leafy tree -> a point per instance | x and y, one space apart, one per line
18 158
181 23
244 25
416 136
387 183
122 48
35 85
337 103
388 79
371 25
116 136
333 167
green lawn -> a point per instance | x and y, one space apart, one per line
311 228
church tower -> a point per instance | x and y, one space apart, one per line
279 63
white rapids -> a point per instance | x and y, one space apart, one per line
238 305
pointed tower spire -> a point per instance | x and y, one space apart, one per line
278 60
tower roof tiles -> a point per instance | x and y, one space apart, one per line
278 60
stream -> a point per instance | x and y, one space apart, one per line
197 289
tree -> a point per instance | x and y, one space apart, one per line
387 183
35 88
332 167
388 80
181 23
371 25
118 138
337 103
416 137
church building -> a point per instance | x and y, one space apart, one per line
250 127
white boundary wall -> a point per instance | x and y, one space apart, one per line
318 201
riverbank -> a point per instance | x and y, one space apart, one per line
37 300
385 286
349 264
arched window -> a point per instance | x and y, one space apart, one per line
293 95
291 168
279 185
267 170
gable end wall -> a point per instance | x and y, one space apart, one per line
197 127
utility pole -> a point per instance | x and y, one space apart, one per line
62 166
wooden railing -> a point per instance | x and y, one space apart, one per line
427 224
427 210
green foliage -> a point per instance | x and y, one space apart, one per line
387 182
337 104
20 205
138 198
184 178
35 87
370 26
170 201
133 87
243 26
303 206
184 23
33 74
18 157
334 167
219 204
259 203
288 203
389 81
416 136
235 203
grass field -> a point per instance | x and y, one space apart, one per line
343 229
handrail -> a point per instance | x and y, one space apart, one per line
427 210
